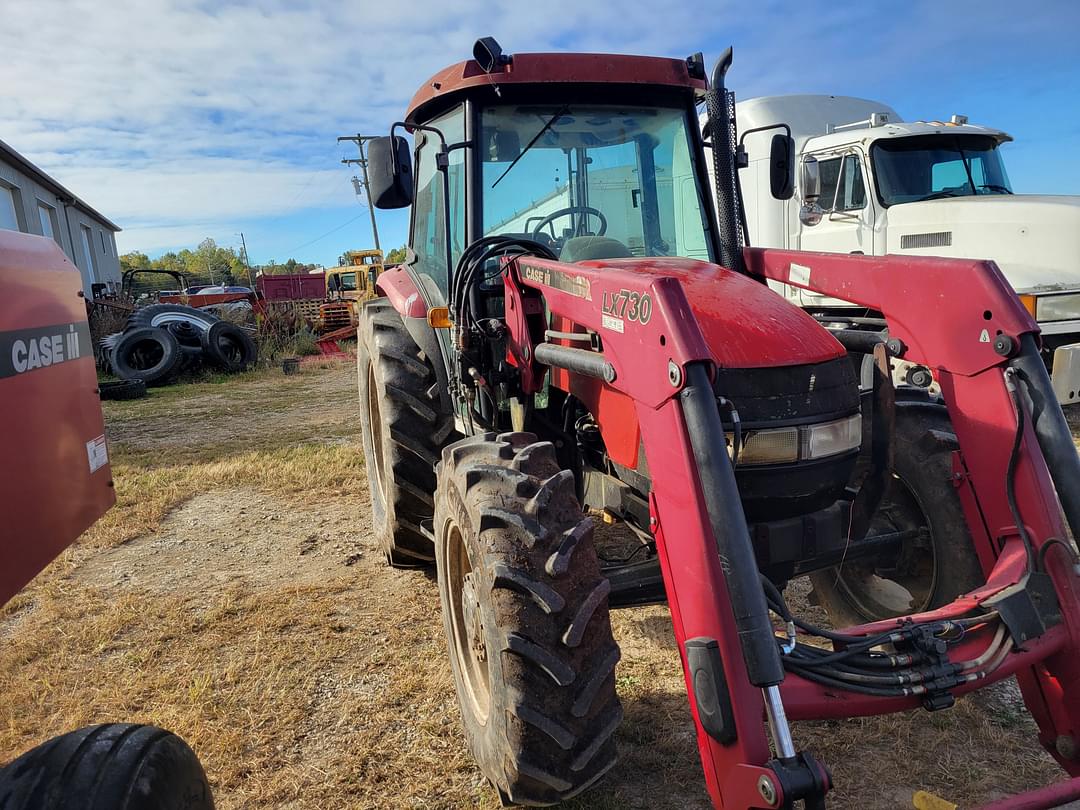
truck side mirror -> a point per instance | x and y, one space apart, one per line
782 166
390 176
810 179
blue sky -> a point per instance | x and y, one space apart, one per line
181 120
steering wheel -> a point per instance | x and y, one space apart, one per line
572 209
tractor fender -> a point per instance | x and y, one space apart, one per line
401 290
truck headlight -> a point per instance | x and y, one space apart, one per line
1057 307
802 443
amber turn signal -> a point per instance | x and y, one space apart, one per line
438 317
1029 303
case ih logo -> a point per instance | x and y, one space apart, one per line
557 279
27 350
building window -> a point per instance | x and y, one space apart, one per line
104 243
88 249
49 225
9 218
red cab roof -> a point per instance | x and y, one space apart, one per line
551 68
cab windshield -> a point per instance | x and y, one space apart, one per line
936 166
592 182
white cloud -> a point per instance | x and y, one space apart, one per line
174 115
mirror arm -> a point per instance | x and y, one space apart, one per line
781 125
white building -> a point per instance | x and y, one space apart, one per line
33 202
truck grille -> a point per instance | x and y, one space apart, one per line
926 240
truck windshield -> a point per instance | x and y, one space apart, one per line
931 167
593 181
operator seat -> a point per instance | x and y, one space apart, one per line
583 248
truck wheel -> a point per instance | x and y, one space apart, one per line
403 428
164 314
116 766
146 353
525 610
229 347
924 573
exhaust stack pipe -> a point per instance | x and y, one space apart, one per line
722 135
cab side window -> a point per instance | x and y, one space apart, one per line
842 186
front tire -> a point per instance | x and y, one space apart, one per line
404 428
116 766
930 571
525 610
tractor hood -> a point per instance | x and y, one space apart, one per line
744 322
1035 240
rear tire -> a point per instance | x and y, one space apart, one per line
933 570
404 428
525 610
116 766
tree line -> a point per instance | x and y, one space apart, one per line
210 263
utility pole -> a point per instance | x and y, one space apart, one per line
362 162
247 265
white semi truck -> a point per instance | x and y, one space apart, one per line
868 182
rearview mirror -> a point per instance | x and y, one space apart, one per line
782 166
504 146
810 179
390 183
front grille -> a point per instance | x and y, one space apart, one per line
926 240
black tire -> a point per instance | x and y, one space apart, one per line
934 569
186 333
124 389
116 766
525 609
163 314
148 354
404 427
229 347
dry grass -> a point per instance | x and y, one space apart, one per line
326 685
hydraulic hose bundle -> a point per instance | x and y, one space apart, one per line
915 665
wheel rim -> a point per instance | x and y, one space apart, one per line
901 583
467 626
375 420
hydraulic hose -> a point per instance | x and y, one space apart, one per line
728 524
1051 429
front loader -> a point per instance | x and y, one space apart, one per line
571 337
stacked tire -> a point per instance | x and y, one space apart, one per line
162 340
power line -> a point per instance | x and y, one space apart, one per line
318 238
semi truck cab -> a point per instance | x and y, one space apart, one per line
868 182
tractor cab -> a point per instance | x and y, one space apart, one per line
603 170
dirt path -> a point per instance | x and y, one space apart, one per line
256 618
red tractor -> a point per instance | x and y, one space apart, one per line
571 334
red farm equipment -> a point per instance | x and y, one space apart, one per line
570 333
54 484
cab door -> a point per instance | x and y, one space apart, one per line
843 220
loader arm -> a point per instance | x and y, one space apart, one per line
652 351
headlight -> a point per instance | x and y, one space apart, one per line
1057 307
803 443
831 438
